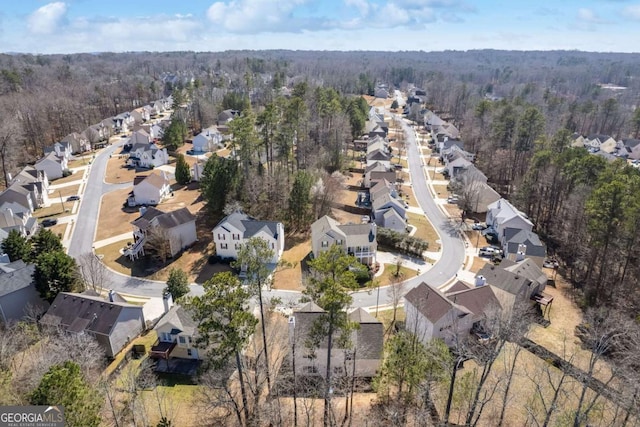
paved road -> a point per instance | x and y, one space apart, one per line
453 251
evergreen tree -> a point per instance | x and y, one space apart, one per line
177 283
183 174
300 200
175 134
45 240
218 183
65 385
16 246
55 272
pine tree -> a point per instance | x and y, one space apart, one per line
16 246
55 272
177 284
183 174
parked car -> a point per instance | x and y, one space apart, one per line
550 263
50 222
489 251
73 198
479 226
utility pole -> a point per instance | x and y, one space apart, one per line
61 201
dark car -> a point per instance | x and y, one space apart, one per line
49 222
73 198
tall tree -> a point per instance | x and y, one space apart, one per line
16 246
225 325
183 174
300 200
55 272
331 277
177 283
65 385
218 183
253 257
44 241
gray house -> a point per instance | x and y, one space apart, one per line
519 244
113 324
18 295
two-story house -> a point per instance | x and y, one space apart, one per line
177 332
358 240
237 228
53 165
502 215
149 189
209 139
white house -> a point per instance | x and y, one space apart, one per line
150 189
61 149
358 240
178 227
23 222
140 115
79 143
18 199
237 228
148 155
502 214
208 140
52 164
389 213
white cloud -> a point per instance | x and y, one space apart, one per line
632 11
392 15
362 6
46 19
588 15
256 16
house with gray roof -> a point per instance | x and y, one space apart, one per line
22 222
177 333
18 294
362 358
112 324
518 244
236 229
18 199
178 227
358 240
78 142
52 164
149 189
389 212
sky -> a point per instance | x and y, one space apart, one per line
72 26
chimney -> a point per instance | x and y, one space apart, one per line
142 210
9 177
111 295
167 301
480 281
520 254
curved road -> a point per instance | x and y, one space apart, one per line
452 259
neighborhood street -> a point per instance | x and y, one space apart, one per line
442 271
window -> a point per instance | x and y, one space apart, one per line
325 244
182 340
221 236
189 352
273 246
223 246
338 242
236 237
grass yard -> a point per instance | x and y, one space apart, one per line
113 220
454 211
407 189
64 192
53 210
403 162
441 191
435 175
478 263
476 238
59 229
345 217
425 230
388 275
75 176
289 274
348 197
116 172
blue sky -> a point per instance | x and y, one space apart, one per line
69 26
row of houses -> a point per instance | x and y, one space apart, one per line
607 146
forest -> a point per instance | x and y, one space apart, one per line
518 112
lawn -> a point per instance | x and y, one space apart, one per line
289 274
59 229
388 275
345 217
64 192
113 220
75 176
425 230
411 200
441 191
478 263
55 209
117 173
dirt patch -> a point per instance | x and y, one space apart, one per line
184 196
117 171
289 274
113 219
348 197
411 200
453 211
478 263
476 238
345 217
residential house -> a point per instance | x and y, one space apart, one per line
358 240
432 120
445 129
579 141
379 156
140 137
207 140
177 332
112 324
147 155
23 222
98 135
227 115
61 149
177 227
150 189
481 196
158 107
236 229
596 142
382 187
389 212
17 199
457 166
123 122
18 295
377 171
519 244
141 115
362 358
502 215
53 165
35 182
79 143
632 147
381 91
513 282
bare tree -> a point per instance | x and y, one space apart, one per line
158 244
395 292
93 271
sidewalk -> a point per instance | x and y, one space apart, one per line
114 239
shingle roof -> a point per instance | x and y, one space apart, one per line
528 269
429 301
154 179
516 237
503 279
456 287
165 219
180 319
88 313
477 300
250 226
15 276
